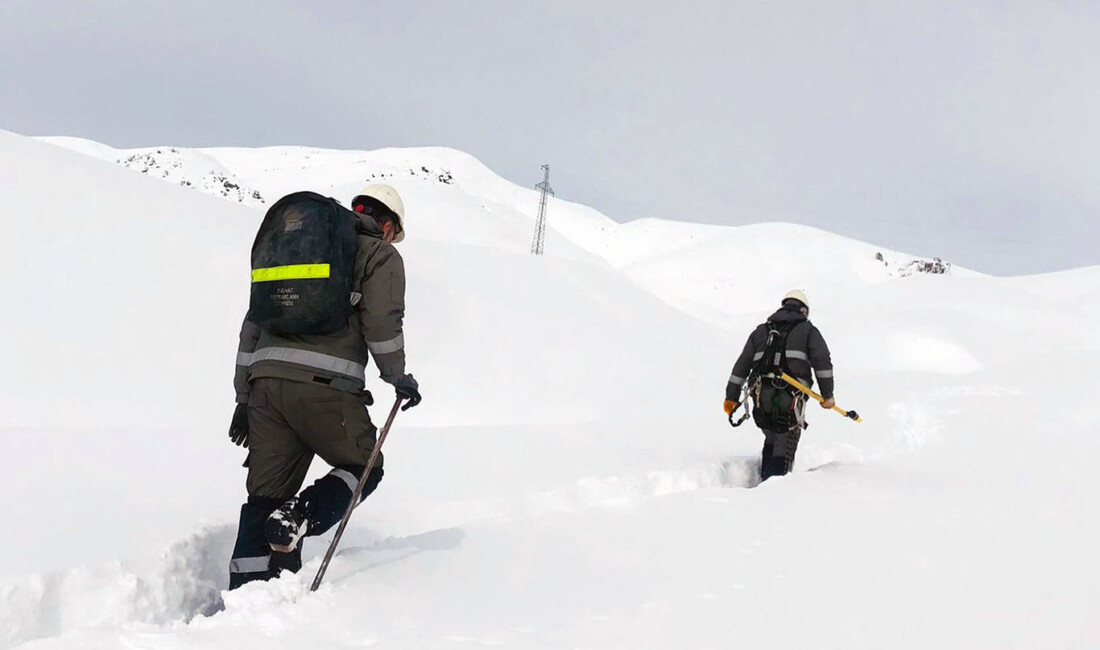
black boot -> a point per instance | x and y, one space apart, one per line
286 526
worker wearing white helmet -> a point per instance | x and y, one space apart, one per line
300 378
787 343
384 204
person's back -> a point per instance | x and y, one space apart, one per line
301 394
799 350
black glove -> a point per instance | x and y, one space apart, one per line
238 428
407 388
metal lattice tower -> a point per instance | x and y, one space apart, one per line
540 223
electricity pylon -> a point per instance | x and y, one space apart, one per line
540 223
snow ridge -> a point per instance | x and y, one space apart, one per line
191 170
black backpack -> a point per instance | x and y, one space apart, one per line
303 266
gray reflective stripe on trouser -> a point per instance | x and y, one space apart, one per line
249 564
347 477
310 358
757 356
824 374
734 379
244 358
386 347
797 354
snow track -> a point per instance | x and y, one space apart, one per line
188 579
622 491
185 582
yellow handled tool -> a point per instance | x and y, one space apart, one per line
806 389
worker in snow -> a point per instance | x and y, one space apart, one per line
788 342
301 366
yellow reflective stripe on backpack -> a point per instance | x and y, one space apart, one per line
292 272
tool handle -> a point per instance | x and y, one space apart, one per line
355 496
852 415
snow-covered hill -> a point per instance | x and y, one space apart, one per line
569 480
189 168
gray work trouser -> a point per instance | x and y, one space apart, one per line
290 421
779 413
780 447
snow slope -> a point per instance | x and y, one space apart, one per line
186 167
569 480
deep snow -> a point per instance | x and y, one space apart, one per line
569 480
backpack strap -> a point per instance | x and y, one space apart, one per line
357 278
760 366
782 365
362 261
775 350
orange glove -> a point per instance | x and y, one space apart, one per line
729 406
828 403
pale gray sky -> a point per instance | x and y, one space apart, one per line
966 129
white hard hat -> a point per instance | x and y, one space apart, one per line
796 294
388 197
